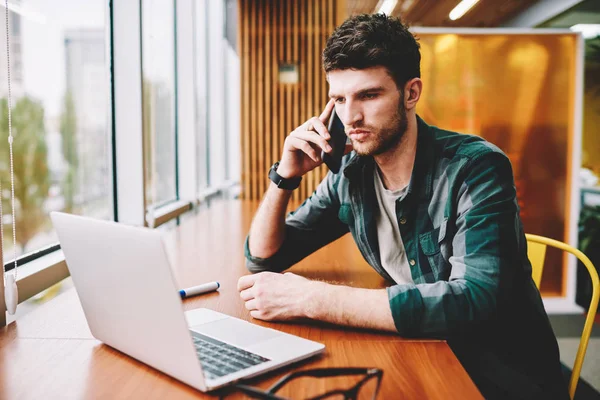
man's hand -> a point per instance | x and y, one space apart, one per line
270 296
302 148
278 297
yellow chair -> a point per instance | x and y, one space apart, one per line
536 251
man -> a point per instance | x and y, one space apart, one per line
432 211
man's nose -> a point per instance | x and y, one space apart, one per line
352 114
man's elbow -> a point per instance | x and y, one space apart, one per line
483 303
254 267
254 264
473 305
272 264
262 252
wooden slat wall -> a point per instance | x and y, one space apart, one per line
272 32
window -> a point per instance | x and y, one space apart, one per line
158 74
60 117
217 79
108 146
201 67
217 106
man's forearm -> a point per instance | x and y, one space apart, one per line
268 226
343 305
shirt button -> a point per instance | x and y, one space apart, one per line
402 221
412 262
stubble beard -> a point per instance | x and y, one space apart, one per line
386 138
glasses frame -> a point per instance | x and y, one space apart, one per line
349 394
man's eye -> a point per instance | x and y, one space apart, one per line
370 95
339 100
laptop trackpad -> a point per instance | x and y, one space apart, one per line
236 332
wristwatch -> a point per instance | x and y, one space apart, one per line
281 182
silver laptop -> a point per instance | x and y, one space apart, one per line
126 288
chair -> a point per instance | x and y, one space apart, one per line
536 251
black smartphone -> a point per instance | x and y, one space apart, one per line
337 142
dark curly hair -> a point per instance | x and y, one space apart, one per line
370 40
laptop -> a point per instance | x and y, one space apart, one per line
127 291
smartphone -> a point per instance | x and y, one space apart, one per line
337 142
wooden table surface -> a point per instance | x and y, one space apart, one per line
51 354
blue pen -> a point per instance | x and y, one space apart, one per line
194 290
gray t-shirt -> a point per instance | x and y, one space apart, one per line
391 247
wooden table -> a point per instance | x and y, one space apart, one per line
51 354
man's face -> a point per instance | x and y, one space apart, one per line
371 107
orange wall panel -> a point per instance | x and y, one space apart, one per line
518 92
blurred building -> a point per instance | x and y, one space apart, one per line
86 83
16 62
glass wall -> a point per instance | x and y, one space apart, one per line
201 20
60 117
89 143
158 101
217 94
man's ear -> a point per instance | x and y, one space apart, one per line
412 93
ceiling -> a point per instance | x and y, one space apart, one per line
486 13
586 12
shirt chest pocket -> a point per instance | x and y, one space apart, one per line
435 247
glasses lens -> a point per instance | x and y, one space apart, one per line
308 387
368 391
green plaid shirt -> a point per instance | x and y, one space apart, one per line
467 251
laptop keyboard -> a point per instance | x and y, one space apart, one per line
220 359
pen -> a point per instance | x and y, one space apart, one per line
194 290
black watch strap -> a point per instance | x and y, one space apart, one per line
281 182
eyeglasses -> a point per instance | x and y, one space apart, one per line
316 384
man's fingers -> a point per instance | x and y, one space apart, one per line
247 294
315 124
305 146
313 138
251 305
257 314
245 282
324 117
